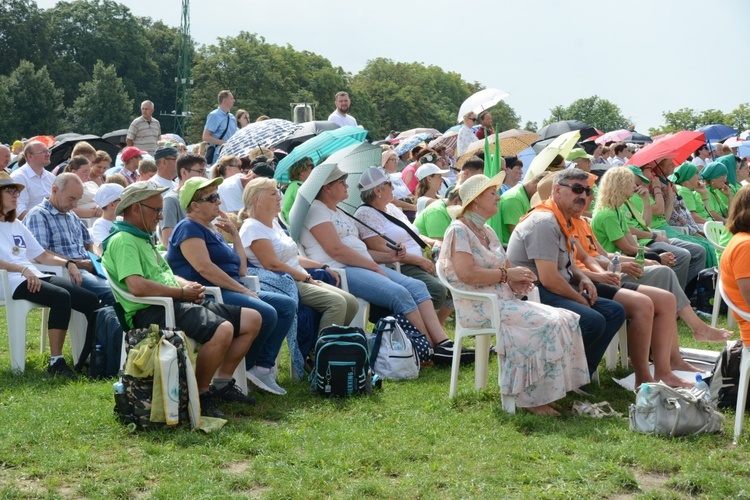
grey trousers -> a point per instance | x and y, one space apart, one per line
437 290
661 277
336 306
690 258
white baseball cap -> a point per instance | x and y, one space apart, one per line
429 169
107 193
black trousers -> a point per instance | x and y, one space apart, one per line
62 297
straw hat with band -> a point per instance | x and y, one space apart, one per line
137 192
476 185
194 184
6 181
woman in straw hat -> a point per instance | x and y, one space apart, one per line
544 353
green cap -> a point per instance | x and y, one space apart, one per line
683 173
639 173
187 191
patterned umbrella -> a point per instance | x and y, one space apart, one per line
172 138
266 133
512 142
448 140
410 143
416 131
316 148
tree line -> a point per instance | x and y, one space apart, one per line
85 66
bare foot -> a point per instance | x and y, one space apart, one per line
543 410
673 380
682 365
555 406
644 380
708 333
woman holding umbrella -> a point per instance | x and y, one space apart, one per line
466 133
330 236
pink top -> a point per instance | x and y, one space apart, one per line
412 169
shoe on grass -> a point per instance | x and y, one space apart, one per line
209 405
61 369
231 393
264 381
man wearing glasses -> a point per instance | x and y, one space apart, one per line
541 242
189 165
37 180
466 133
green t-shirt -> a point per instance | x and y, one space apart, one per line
128 255
631 219
718 202
513 205
434 220
289 196
609 225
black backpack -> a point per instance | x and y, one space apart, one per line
726 377
342 366
103 344
706 290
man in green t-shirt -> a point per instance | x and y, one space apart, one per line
434 220
226 332
514 204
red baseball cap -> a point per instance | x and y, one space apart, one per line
131 152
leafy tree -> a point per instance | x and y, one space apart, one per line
532 126
504 117
597 112
689 119
23 35
83 32
103 104
739 117
33 105
712 116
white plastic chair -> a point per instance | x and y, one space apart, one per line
744 368
619 342
713 231
169 320
482 347
16 312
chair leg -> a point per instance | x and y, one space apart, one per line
481 361
717 306
622 335
44 332
611 354
17 339
508 400
457 343
77 334
360 319
742 393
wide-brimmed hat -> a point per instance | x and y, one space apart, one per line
7 180
476 185
639 173
429 169
187 191
684 172
137 192
372 178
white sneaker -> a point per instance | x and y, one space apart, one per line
264 381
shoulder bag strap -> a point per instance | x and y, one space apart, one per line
401 224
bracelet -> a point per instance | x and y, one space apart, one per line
182 290
308 279
325 266
69 262
24 270
503 275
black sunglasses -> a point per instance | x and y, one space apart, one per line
212 198
578 189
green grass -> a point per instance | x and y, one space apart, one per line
60 439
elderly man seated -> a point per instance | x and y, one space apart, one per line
226 332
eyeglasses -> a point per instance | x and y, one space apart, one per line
42 152
473 119
158 211
201 171
212 198
578 189
236 165
310 165
12 190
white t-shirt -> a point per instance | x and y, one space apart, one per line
89 191
345 228
400 191
231 194
342 120
377 221
161 181
18 246
283 245
100 230
698 162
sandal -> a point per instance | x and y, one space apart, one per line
595 410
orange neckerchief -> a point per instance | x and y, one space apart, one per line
550 206
581 230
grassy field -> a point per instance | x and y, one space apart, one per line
59 439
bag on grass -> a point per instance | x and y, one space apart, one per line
103 344
159 386
342 366
673 412
706 290
392 355
418 339
723 384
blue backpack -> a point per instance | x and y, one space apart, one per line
342 366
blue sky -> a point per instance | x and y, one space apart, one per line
646 56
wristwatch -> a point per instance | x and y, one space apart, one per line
325 266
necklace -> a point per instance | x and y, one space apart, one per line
480 234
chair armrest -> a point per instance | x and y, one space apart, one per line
681 229
251 282
56 270
342 275
215 292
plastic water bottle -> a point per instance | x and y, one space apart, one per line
614 265
640 257
118 387
396 345
643 395
701 385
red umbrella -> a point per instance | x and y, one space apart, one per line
678 147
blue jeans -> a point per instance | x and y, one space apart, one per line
277 313
399 294
599 323
99 286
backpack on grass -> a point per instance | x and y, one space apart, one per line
722 385
342 366
103 344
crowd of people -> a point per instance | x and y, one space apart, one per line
170 222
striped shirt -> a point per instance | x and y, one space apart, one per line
145 134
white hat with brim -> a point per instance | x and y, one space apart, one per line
429 169
476 185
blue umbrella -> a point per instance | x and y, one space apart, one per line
266 134
410 143
316 148
715 133
744 150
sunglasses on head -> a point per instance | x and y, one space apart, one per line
578 189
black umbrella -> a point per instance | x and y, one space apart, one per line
62 150
637 138
308 131
116 137
558 128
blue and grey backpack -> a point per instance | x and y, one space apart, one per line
342 366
